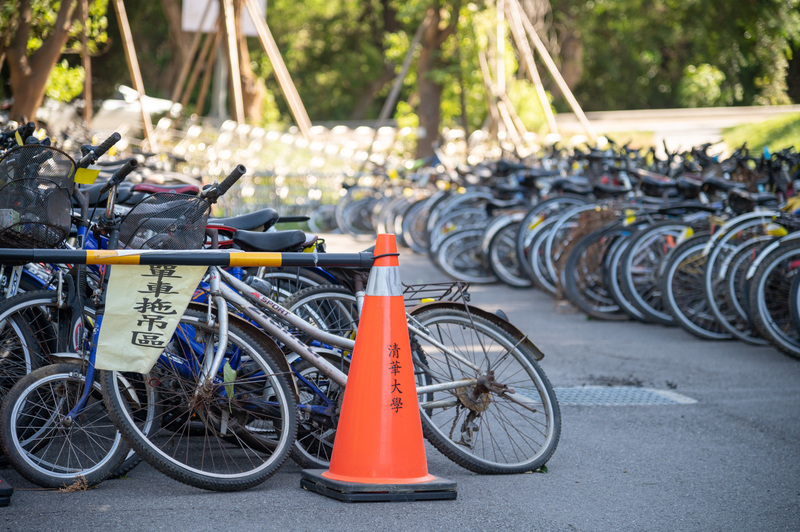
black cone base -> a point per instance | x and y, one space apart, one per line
6 490
438 489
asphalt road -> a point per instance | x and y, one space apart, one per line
724 456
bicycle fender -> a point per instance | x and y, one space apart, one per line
762 255
265 341
508 327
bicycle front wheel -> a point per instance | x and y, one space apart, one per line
229 434
333 309
48 447
484 401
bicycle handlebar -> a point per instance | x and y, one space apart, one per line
213 192
23 132
232 178
94 152
120 175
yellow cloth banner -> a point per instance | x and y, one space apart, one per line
143 307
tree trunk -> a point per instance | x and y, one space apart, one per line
29 73
387 74
367 97
571 59
180 46
430 93
254 90
793 75
430 97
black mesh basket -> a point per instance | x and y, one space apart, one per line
35 188
165 221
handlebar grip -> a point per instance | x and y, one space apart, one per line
120 175
232 178
292 219
94 152
106 145
27 130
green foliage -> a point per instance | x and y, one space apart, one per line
407 118
43 19
272 114
636 52
342 54
776 134
526 103
333 48
65 83
701 87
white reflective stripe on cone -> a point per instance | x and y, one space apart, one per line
384 281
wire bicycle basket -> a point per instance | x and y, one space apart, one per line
36 184
165 221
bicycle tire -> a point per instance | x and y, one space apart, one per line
642 265
287 281
727 298
538 213
453 221
503 259
333 309
322 219
613 278
770 289
185 430
49 449
33 326
316 433
794 301
535 262
682 289
725 243
26 284
484 431
413 227
354 211
584 277
415 222
559 237
460 257
476 197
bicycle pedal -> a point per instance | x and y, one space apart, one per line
6 490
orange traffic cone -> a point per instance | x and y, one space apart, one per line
379 451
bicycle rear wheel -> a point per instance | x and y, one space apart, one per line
230 435
33 326
504 416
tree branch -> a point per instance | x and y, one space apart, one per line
51 48
19 44
452 26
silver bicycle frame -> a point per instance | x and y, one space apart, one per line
227 289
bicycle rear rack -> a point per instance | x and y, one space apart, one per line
415 294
